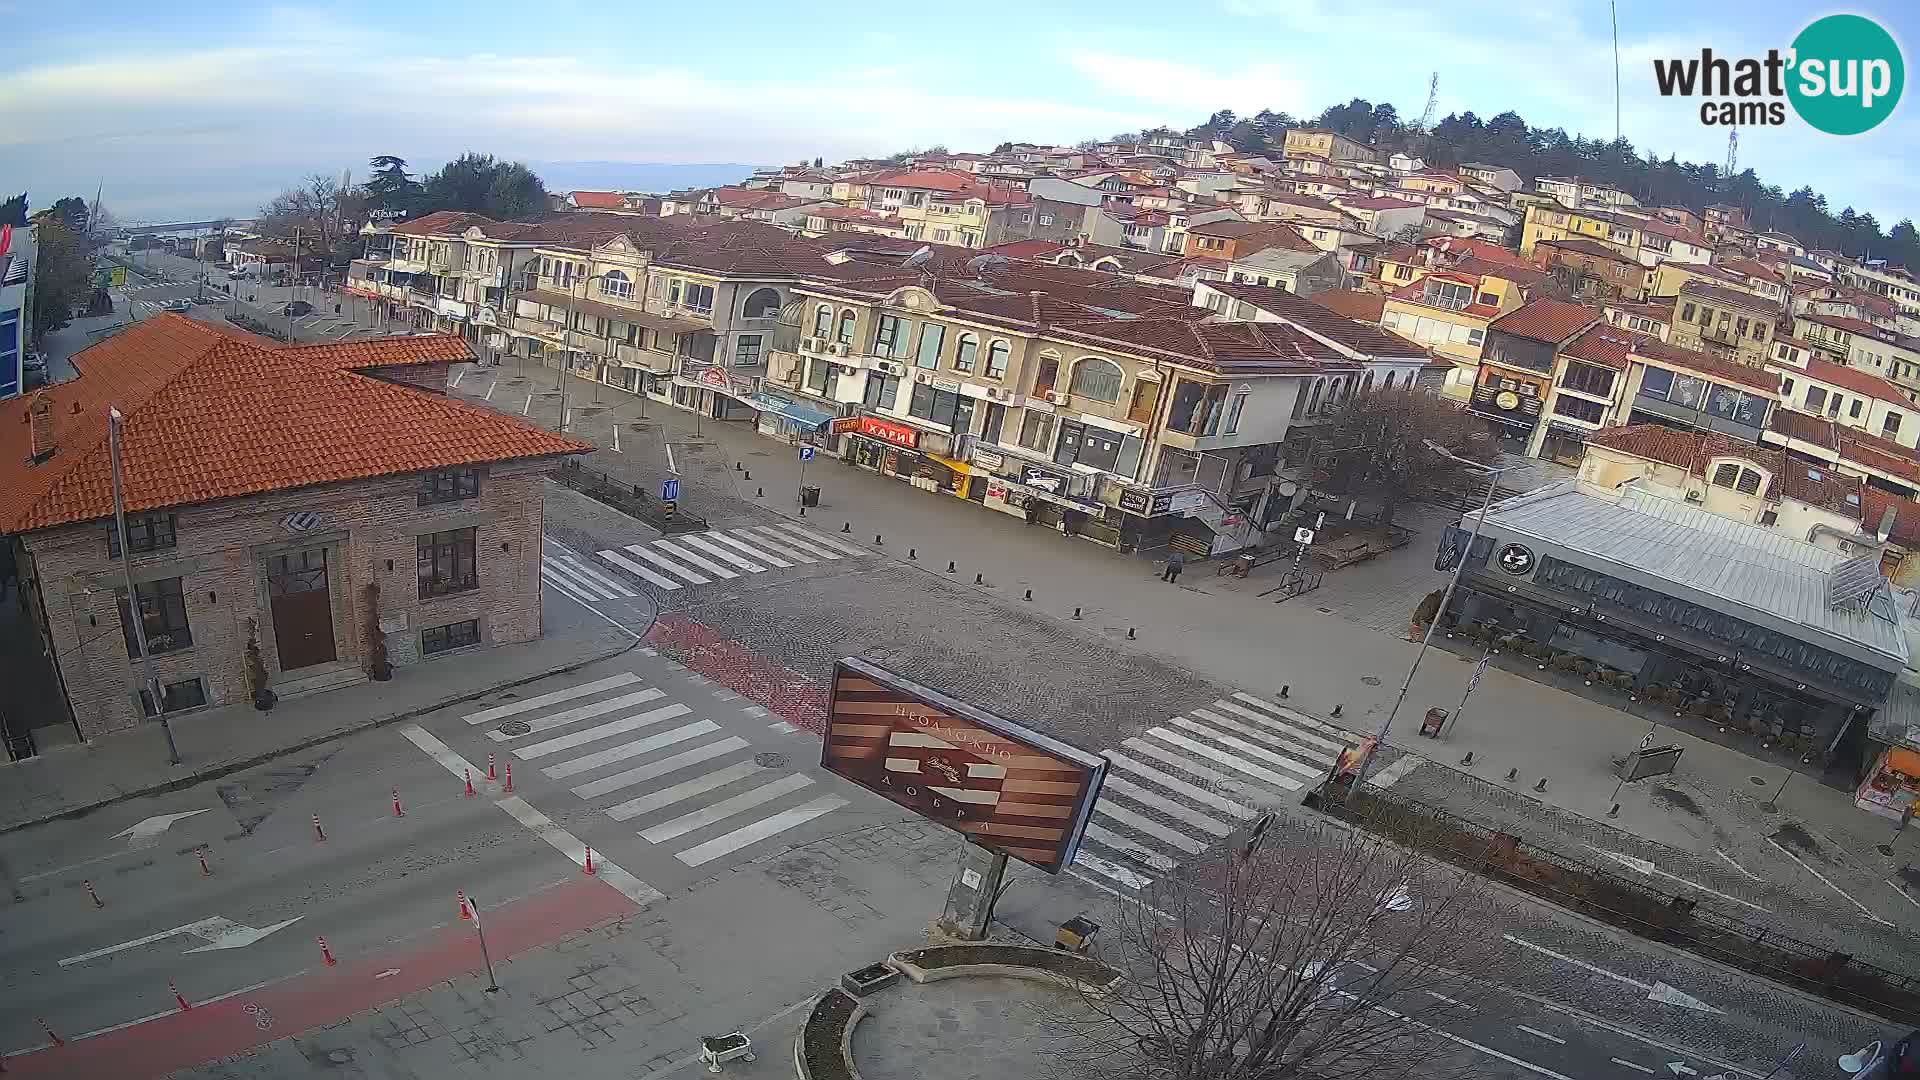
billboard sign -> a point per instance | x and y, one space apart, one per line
1010 789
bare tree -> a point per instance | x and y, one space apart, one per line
318 207
1324 953
1382 437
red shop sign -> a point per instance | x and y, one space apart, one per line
897 434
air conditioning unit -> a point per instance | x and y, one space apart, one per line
810 344
1693 496
890 367
923 376
1055 397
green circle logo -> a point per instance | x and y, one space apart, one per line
1847 74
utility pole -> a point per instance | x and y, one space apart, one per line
115 438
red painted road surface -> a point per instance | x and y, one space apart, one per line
786 694
325 995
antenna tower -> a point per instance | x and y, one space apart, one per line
1433 101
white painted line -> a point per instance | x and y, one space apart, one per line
1829 883
1144 824
782 728
601 731
490 389
722 553
820 539
1614 975
1154 750
558 573
670 465
583 712
668 565
1904 894
723 538
1541 1034
1631 1065
501 712
726 808
578 566
759 830
542 826
1729 860
589 762
655 769
701 784
679 552
1245 747
1448 1000
1391 775
1107 838
794 546
524 409
638 571
785 549
616 448
553 577
457 376
1646 866
1298 717
1292 731
566 420
1180 812
1114 871
1266 737
1177 785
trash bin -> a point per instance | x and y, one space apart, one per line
1433 722
810 496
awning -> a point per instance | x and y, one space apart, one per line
960 467
810 419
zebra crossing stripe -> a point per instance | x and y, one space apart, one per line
501 712
668 565
1113 841
705 782
726 844
553 578
726 808
665 765
805 533
1131 878
1143 824
1298 717
1248 748
1264 736
615 588
1175 784
817 550
582 712
1268 776
589 762
682 553
1292 731
1160 753
600 731
722 553
786 549
723 538
638 571
1178 811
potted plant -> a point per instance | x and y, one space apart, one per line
263 696
379 667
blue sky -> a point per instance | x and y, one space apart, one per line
209 108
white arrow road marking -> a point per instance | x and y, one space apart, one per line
1679 1068
146 832
217 932
1656 991
1667 995
1646 866
388 974
1631 1065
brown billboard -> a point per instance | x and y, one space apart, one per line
1010 789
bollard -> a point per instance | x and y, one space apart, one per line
509 785
1542 785
97 902
877 542
319 834
1468 760
52 1035
1130 636
1614 811
979 580
913 553
205 870
759 493
846 526
325 953
1076 613
397 812
737 467
466 915
469 791
178 997
748 475
950 566
1285 688
491 776
803 510
1029 595
1337 708
1513 774
589 865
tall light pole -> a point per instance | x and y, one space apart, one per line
1479 519
115 422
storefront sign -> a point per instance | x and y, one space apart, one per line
987 459
949 385
844 424
1185 502
1135 502
897 434
1516 559
1042 480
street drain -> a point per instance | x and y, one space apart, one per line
1324 610
1370 680
770 760
515 728
1757 781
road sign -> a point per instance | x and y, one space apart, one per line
670 490
1303 535
806 453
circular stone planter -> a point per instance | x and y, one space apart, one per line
824 1048
936 962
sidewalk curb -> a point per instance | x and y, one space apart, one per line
214 772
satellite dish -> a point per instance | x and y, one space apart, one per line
985 264
919 258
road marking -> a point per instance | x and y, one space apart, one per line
573 590
1897 887
457 376
1631 1065
723 538
1175 784
759 830
1448 1000
1179 811
701 784
528 407
1829 883
1107 838
616 439
719 552
1541 1034
639 571
665 765
1298 717
600 731
1249 749
781 727
145 833
693 578
764 535
217 932
1646 866
501 712
818 539
670 465
1391 775
1130 878
709 566
726 808
1264 736
784 549
1142 823
1729 859
583 712
1160 753
542 826
613 589
1289 730
490 388
1614 975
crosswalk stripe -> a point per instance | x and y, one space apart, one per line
1221 757
1131 878
589 762
1113 841
1248 748
705 782
551 575
693 578
1265 736
638 571
582 712
726 808
600 731
501 712
786 551
1188 765
722 553
723 538
612 587
570 579
805 533
1174 783
1298 717
1292 731
767 826
1180 812
671 763
1144 824
704 564
817 550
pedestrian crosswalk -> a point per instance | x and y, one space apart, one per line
573 575
673 563
681 781
1178 788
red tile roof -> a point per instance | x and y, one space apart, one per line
1380 202
1608 346
1860 382
598 200
1726 371
441 223
1849 324
1732 297
1352 303
1027 249
212 413
1551 321
1317 319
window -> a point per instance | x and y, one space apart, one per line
1749 482
1833 404
1579 409
890 336
882 391
932 336
1786 387
845 335
1036 432
698 297
1890 426
1816 398
1489 299
997 360
675 288
1741 328
145 532
1726 475
936 406
761 304
822 321
449 485
441 639
746 350
1452 295
1046 219
942 236
963 353
615 283
175 696
1233 413
1853 410
1587 379
163 617
1686 313
447 563
1098 379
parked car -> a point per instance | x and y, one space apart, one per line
296 308
36 362
180 304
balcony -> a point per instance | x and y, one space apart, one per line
488 279
401 264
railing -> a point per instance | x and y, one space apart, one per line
629 499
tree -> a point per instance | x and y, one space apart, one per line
1323 953
516 193
390 186
1389 462
818 161
62 276
73 213
13 211
1245 137
480 184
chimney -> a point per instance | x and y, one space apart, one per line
40 424
1885 528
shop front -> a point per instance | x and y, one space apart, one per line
715 392
1892 786
921 458
781 417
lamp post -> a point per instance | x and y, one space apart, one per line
115 438
1479 520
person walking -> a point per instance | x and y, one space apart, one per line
1176 562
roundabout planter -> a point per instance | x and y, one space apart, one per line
936 962
824 1048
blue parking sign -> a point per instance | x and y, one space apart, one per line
670 490
806 453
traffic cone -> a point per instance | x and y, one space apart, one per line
397 812
589 866
319 834
490 776
97 902
205 870
466 914
325 953
509 785
179 997
469 791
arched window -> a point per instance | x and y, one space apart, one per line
1098 379
761 304
822 321
1388 385
845 336
963 353
615 283
997 359
1313 400
1366 384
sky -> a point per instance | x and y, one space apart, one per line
187 111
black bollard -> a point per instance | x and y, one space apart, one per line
949 566
913 553
759 493
1284 687
1076 613
1029 595
748 476
1468 760
1513 774
978 580
846 526
1542 785
1337 708
877 542
803 511
736 466
1130 636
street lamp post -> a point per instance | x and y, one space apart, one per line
115 439
480 931
1479 520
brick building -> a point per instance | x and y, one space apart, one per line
273 494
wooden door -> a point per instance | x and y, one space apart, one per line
302 608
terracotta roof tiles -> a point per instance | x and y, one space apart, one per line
1550 321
